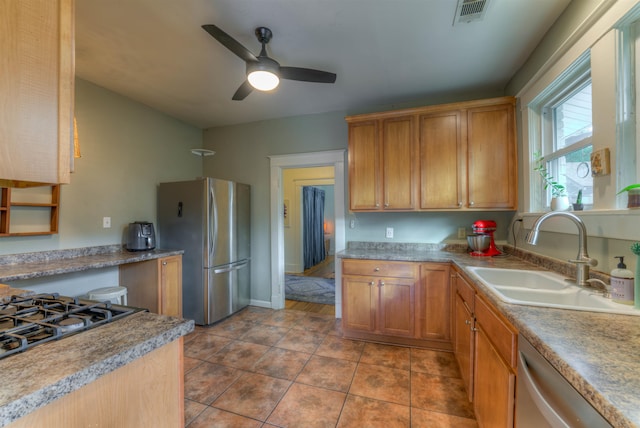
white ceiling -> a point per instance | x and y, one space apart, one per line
383 52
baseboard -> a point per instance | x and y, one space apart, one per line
260 303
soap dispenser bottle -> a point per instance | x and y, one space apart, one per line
622 283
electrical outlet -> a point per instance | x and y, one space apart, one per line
389 233
462 233
352 224
106 222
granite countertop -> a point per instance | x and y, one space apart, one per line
40 264
46 372
596 352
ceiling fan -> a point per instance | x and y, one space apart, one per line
264 73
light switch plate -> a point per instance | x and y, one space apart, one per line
106 222
389 233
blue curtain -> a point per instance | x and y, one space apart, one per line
313 227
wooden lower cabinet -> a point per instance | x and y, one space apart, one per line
155 285
378 304
148 392
405 303
463 334
494 385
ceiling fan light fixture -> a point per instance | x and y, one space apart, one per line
263 80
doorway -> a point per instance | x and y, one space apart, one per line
333 158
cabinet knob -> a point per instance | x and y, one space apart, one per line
467 322
372 283
164 263
381 283
470 203
377 269
377 205
386 205
460 204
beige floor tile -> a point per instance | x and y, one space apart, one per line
207 381
365 412
337 347
205 345
382 383
316 322
396 357
191 410
425 419
440 394
281 363
238 354
434 362
328 373
253 395
308 406
264 334
301 340
217 418
191 363
231 327
284 318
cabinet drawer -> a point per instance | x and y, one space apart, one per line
502 334
466 291
379 268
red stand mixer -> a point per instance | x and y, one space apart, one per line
486 227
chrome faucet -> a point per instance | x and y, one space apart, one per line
582 261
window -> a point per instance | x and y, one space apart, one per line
564 141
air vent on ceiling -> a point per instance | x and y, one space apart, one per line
470 11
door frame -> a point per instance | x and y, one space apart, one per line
333 158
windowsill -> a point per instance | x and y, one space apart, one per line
613 224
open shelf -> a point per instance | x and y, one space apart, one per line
27 212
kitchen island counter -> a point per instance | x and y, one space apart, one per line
596 352
16 267
47 372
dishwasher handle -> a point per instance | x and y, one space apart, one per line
543 405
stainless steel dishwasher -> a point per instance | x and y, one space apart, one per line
545 398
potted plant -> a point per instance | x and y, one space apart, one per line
633 196
577 205
559 198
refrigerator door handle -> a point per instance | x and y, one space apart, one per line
213 231
232 267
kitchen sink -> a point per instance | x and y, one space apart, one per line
541 288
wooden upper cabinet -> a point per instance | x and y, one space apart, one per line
364 166
37 91
381 154
441 156
398 183
491 161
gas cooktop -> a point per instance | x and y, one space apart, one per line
26 321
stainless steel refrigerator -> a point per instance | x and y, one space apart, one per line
210 220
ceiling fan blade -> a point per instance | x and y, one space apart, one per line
229 42
307 75
242 92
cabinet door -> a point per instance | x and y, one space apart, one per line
491 157
463 342
37 83
171 286
396 314
433 302
494 385
398 157
442 170
359 303
364 166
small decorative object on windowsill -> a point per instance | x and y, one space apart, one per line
559 198
633 195
577 205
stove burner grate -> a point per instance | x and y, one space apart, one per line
26 321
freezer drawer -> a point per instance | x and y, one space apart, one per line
227 290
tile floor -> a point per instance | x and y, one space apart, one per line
287 368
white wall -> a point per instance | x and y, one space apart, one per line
127 149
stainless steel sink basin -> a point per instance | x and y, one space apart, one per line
541 288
